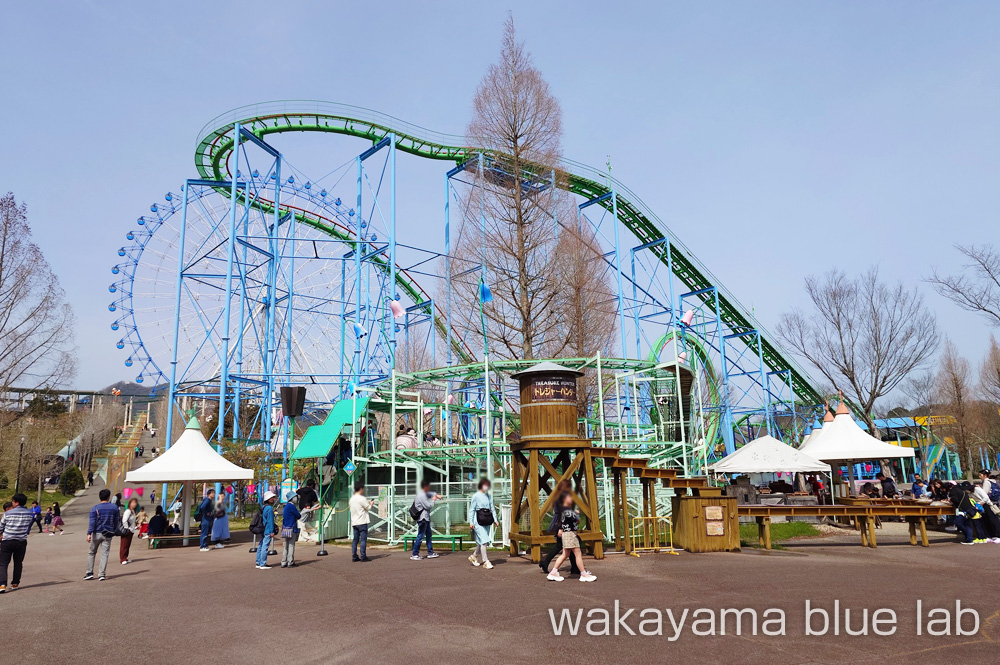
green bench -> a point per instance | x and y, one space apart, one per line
407 540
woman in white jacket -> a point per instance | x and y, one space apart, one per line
129 526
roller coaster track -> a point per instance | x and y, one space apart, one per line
215 144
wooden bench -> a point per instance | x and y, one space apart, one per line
154 542
864 512
435 538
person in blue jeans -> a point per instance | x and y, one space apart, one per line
206 513
424 501
269 530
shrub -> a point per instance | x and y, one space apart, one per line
71 481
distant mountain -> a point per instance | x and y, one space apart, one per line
133 389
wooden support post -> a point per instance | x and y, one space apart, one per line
913 531
923 532
863 526
590 479
517 496
764 532
871 533
533 505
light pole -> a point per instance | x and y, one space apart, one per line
17 480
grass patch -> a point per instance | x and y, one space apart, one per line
780 531
47 497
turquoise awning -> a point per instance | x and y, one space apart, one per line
318 440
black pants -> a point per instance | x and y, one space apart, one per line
12 549
553 553
37 519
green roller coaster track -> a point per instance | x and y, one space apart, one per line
215 144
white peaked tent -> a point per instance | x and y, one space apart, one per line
190 459
768 455
843 441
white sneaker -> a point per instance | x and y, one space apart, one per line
125 562
554 576
996 541
473 560
487 565
433 555
587 577
264 567
219 546
203 549
415 557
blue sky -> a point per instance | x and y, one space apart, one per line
777 139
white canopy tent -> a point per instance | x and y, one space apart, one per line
843 441
768 455
190 459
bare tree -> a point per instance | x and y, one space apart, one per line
954 392
977 287
36 322
989 374
863 335
509 220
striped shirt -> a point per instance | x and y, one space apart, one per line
16 523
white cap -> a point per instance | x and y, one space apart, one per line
268 495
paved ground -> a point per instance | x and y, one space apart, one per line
215 607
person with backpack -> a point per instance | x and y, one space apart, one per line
989 510
267 529
420 511
15 524
482 517
206 515
104 523
968 520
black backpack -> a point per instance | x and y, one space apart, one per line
994 491
257 524
415 512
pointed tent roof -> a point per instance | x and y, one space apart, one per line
768 455
843 441
191 458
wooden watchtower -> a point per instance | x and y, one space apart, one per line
550 451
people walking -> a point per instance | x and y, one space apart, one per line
220 526
142 522
90 478
57 520
267 514
554 526
152 496
568 524
103 524
290 517
206 515
424 503
14 527
482 517
130 524
48 520
36 515
359 505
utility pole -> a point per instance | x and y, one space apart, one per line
17 480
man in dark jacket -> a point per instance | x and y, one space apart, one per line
888 486
556 548
967 515
101 528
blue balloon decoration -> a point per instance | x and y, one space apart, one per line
485 295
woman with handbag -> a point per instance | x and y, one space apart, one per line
220 525
482 517
128 528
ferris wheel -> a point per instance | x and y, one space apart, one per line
296 296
